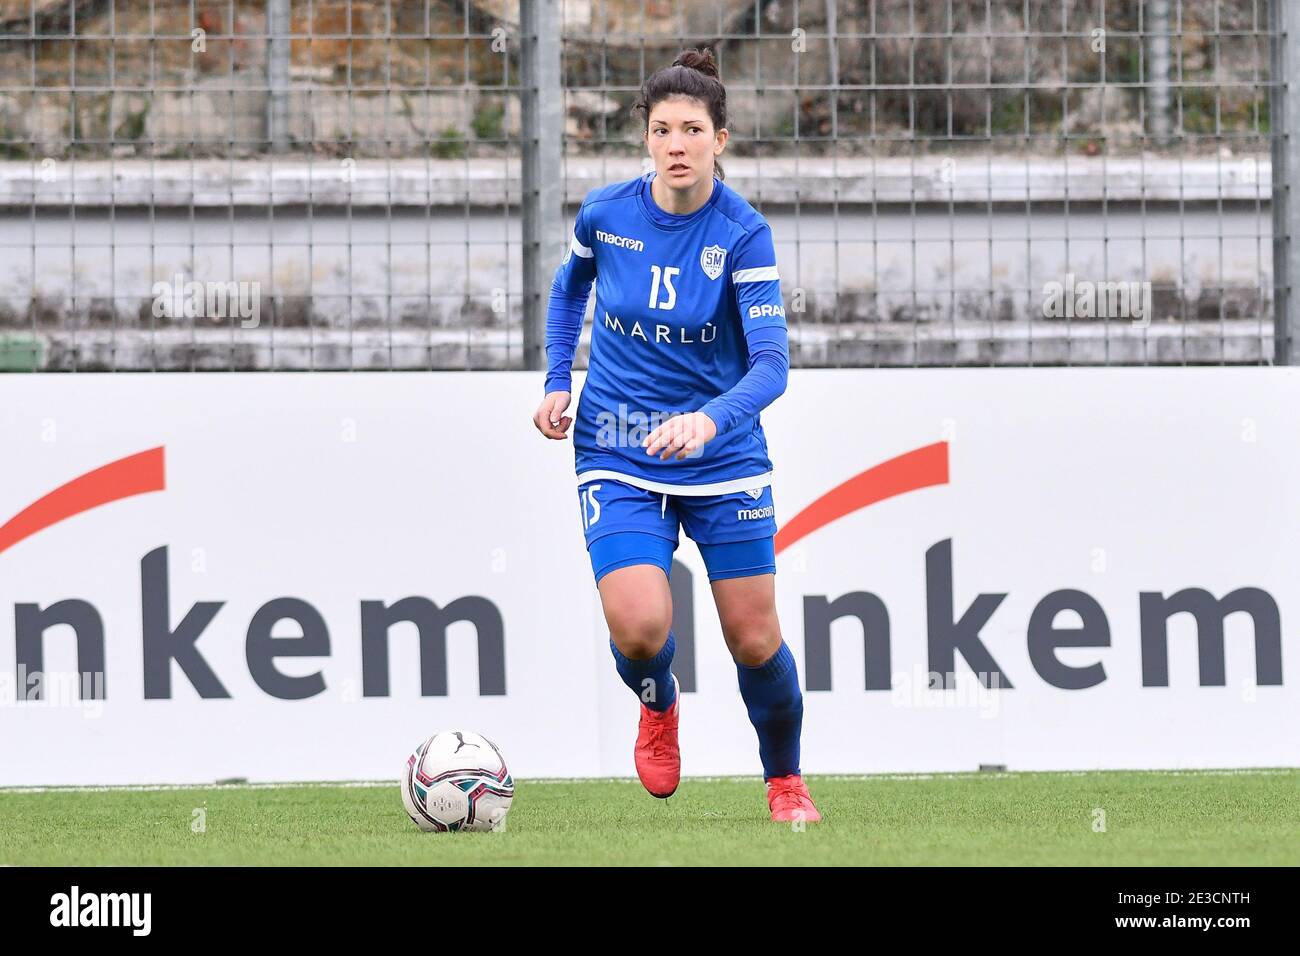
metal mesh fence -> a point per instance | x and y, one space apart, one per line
319 185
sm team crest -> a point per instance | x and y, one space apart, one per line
711 260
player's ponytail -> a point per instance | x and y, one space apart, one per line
694 74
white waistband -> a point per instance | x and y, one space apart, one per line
715 488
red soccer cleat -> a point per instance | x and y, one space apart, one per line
789 800
658 758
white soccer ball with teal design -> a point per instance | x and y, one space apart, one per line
457 780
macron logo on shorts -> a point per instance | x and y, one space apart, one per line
753 514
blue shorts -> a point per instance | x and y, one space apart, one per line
625 525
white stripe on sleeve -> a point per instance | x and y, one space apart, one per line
761 274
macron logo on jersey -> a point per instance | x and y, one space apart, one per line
636 245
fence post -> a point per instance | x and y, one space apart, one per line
541 174
1284 120
1158 67
277 75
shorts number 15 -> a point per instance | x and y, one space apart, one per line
590 506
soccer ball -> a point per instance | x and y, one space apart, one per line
457 780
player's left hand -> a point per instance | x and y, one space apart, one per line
680 435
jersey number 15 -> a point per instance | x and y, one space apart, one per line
668 273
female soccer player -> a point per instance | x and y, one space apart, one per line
689 344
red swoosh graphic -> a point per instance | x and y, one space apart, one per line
132 475
919 468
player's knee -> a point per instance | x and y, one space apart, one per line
638 609
755 645
638 624
639 632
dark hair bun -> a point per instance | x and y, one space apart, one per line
701 60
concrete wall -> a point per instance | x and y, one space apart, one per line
374 264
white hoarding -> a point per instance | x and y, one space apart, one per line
1115 551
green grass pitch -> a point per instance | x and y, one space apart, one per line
1150 818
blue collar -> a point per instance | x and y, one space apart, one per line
670 220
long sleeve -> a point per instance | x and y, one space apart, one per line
769 365
564 316
762 314
570 290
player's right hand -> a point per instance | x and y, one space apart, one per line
547 418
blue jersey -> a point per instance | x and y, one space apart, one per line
688 318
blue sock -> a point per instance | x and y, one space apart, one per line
650 679
775 704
